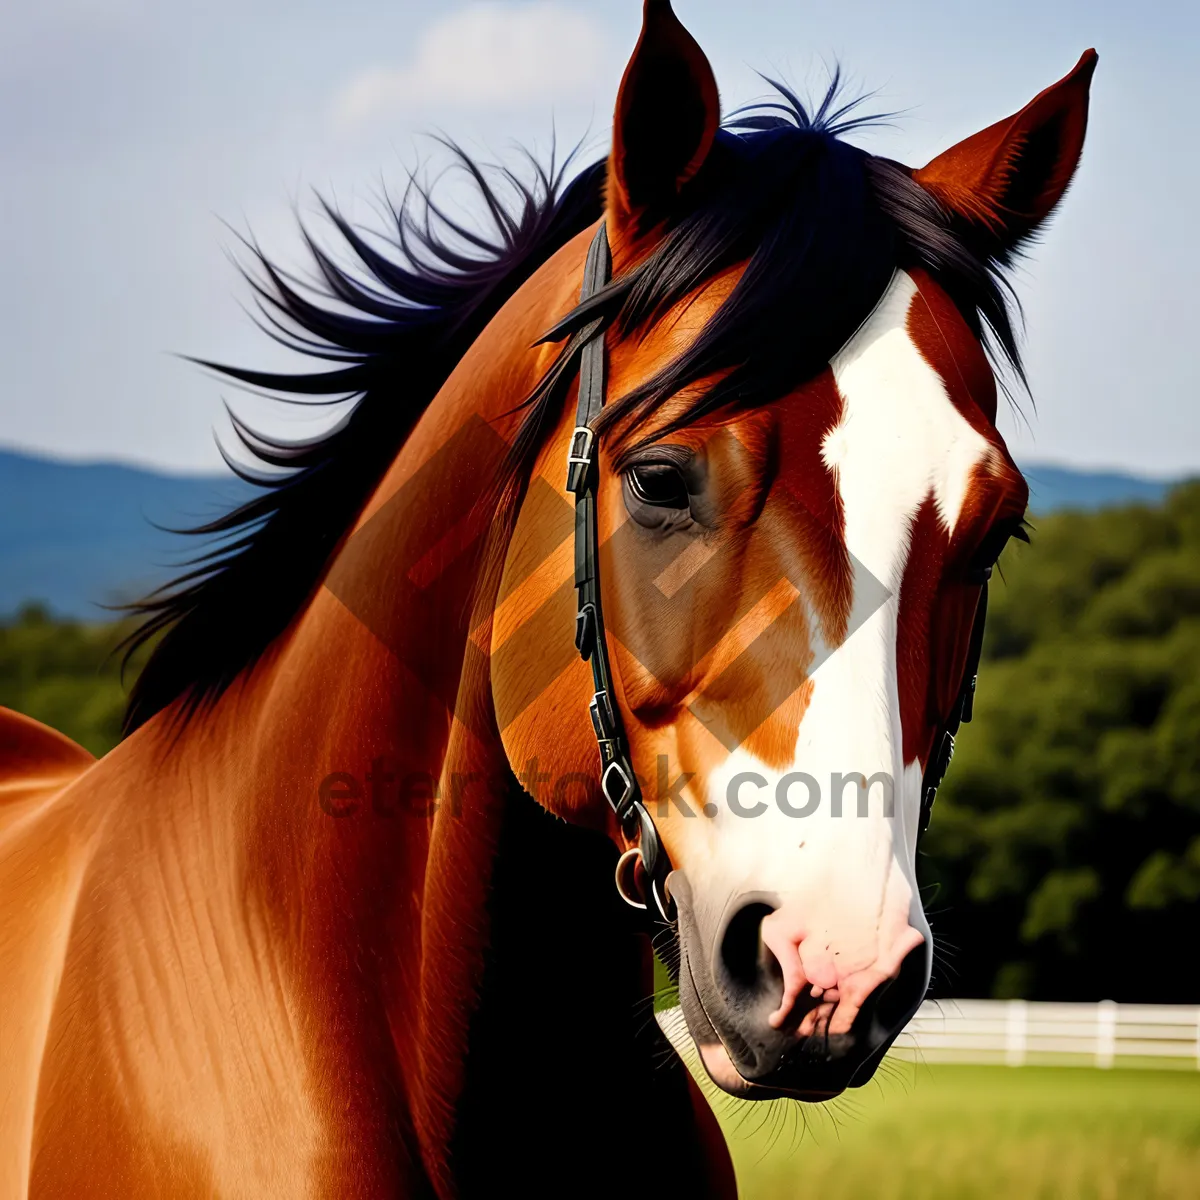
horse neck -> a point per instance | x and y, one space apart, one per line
430 951
376 699
414 941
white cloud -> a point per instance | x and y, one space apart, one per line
485 54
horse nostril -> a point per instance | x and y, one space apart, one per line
894 1003
748 965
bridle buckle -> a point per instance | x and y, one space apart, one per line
579 459
582 441
615 775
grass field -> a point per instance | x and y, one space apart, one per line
962 1133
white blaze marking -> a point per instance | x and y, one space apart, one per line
899 440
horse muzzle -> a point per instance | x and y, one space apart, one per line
760 1040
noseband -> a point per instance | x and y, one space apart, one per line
617 779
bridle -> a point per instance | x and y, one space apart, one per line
961 711
617 779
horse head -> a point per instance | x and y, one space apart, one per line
799 491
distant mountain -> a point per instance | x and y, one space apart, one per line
1053 488
74 536
77 535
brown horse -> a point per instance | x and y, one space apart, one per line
305 932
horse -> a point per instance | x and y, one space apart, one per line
337 916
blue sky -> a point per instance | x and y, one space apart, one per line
132 131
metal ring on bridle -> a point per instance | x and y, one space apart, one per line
626 878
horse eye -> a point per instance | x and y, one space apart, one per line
659 485
988 552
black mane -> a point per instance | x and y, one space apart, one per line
822 224
395 325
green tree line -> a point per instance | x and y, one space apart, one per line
67 674
1064 856
1064 853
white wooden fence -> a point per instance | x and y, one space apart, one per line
1018 1032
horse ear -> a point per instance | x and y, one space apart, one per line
1003 182
667 115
